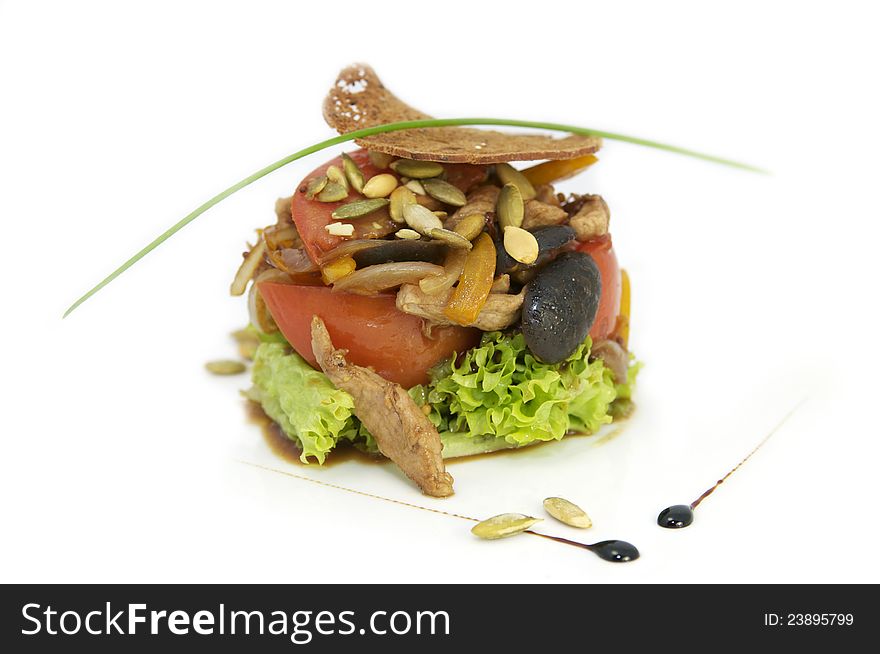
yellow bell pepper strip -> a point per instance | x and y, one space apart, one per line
475 283
338 269
555 171
621 329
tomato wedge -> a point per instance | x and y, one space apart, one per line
372 329
609 302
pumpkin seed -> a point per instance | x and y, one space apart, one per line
315 186
380 186
337 176
247 341
379 159
400 197
451 239
567 512
470 226
420 218
417 169
340 229
440 214
408 234
445 192
415 186
225 367
353 173
510 207
504 525
510 175
359 208
332 192
521 245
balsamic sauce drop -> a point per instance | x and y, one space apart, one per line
679 516
676 516
616 551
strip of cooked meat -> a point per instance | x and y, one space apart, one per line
404 434
482 200
501 309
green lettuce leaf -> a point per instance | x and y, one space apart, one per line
303 401
498 395
495 396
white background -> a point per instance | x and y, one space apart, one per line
120 455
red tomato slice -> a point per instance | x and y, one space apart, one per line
371 328
311 216
609 302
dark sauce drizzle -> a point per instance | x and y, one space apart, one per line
679 516
618 551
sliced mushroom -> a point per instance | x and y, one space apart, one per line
403 433
613 356
501 310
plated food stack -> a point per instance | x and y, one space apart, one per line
423 298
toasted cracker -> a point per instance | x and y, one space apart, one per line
358 99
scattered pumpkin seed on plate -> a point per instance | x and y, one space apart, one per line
504 525
567 512
225 367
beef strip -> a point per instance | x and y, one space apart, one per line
404 434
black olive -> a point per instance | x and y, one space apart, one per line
560 306
550 239
400 250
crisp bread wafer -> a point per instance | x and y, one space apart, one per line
358 99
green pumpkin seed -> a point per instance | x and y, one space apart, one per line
470 226
417 169
510 207
445 192
358 208
332 192
442 215
420 218
337 176
353 173
510 175
400 197
415 186
504 525
408 234
451 239
225 367
567 512
315 186
379 159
